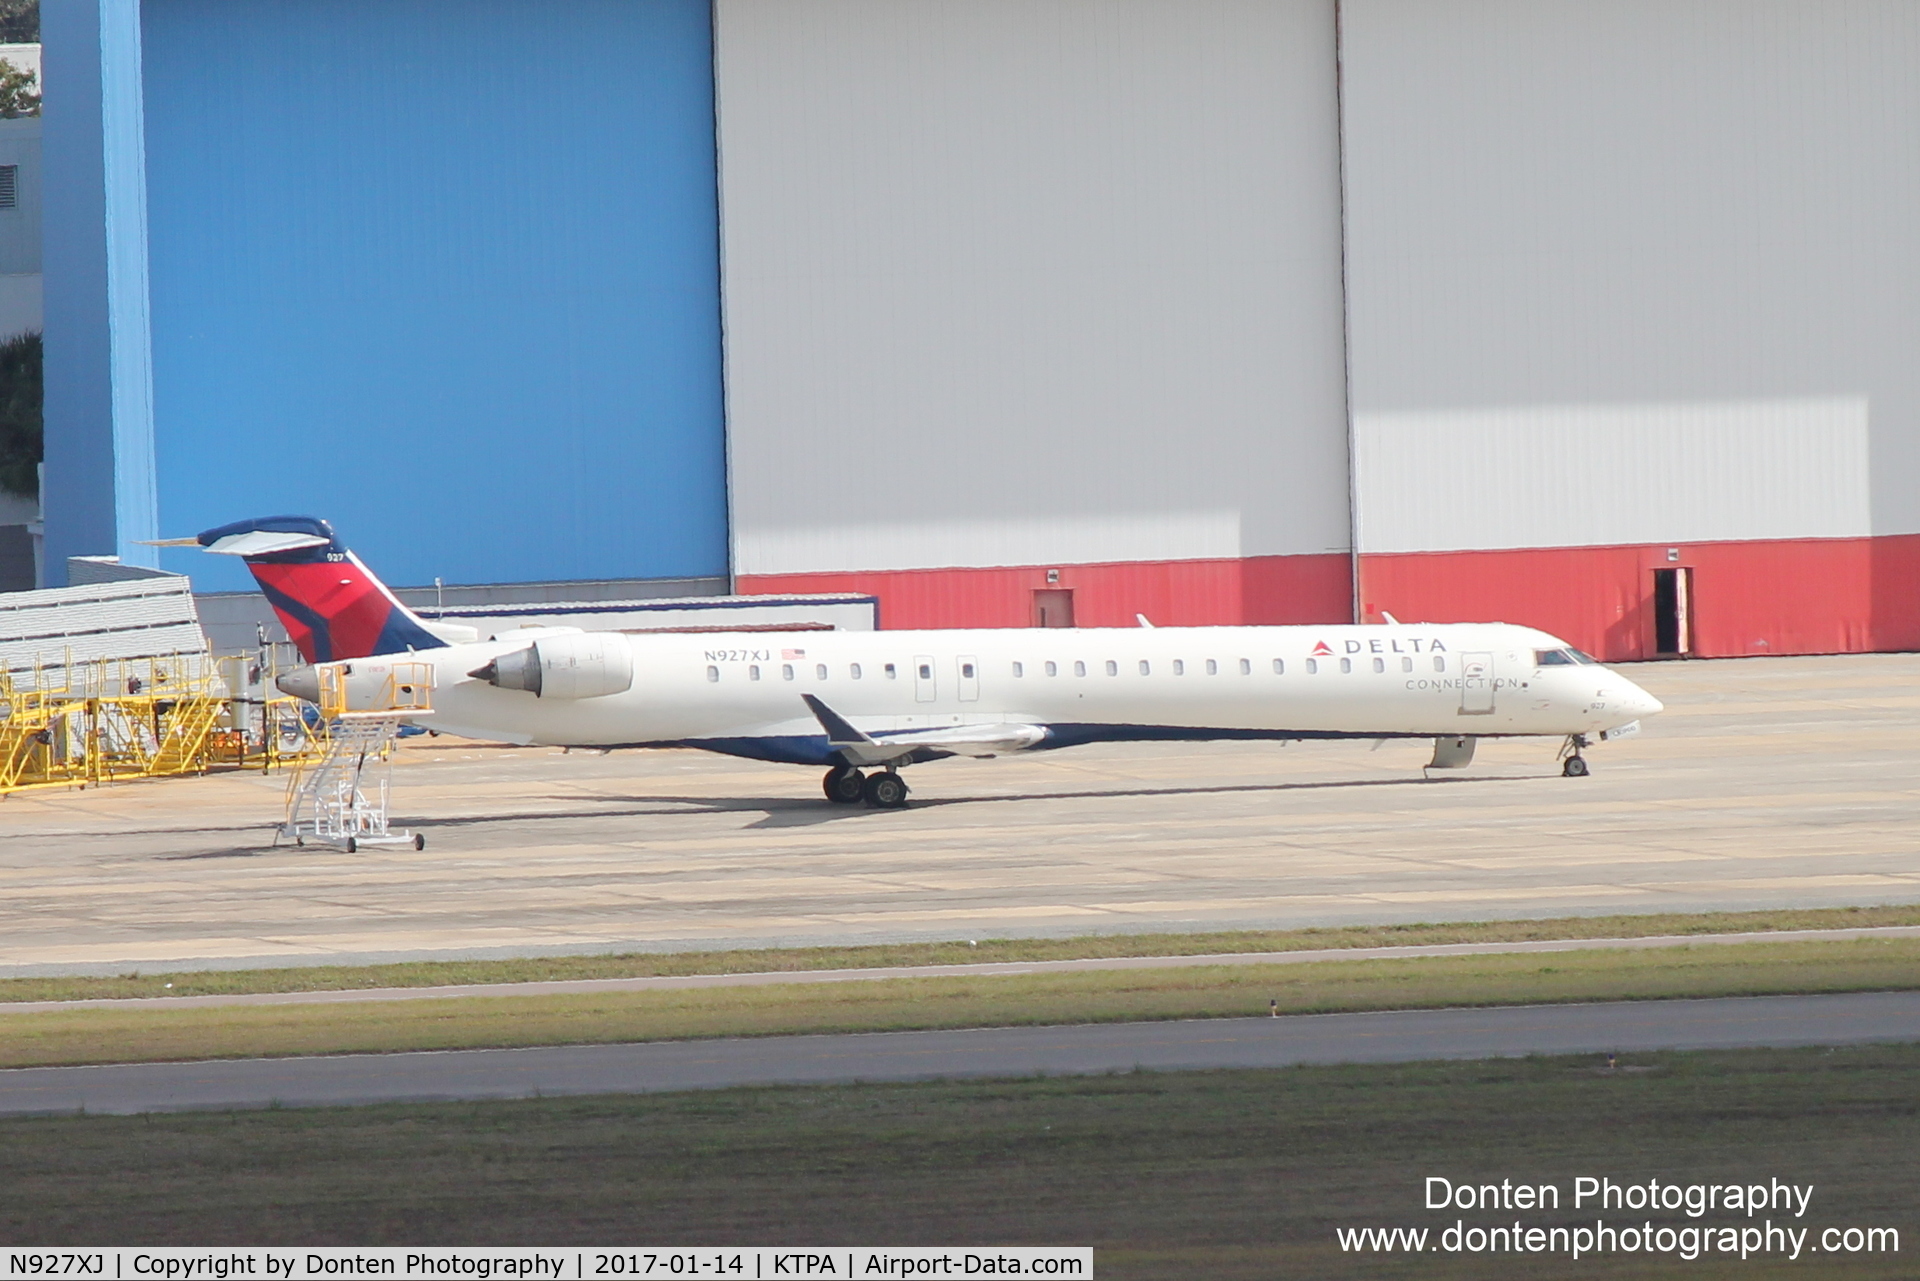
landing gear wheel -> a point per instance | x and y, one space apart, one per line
419 841
1576 767
353 846
843 785
886 791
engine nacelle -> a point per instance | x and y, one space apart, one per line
584 665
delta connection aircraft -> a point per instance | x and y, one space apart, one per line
864 704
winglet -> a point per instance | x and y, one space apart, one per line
839 732
1142 620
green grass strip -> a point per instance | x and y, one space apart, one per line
108 1035
1231 1176
336 978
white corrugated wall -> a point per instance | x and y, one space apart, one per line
1601 256
1021 281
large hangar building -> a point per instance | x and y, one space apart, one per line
1601 318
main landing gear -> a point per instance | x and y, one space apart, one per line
845 785
1576 764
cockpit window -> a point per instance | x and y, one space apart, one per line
1583 658
1561 658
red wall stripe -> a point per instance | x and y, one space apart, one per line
1182 593
1809 596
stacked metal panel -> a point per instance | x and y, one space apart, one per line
42 632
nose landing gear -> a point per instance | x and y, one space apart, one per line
1576 764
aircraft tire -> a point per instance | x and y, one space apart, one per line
844 785
419 841
886 791
1576 767
353 846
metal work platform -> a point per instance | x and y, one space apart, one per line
341 798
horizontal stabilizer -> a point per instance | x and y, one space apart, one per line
264 542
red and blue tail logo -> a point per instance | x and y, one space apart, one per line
331 605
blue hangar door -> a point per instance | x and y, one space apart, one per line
443 271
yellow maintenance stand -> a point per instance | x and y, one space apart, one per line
89 722
106 720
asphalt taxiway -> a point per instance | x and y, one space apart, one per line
1638 1026
1767 783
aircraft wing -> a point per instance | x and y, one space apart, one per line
860 748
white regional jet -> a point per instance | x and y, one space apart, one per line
864 704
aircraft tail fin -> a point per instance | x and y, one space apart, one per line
332 605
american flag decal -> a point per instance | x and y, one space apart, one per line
793 653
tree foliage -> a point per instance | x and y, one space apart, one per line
19 91
19 21
20 432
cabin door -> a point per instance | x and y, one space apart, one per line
1476 684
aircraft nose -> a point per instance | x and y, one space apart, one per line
1637 701
301 682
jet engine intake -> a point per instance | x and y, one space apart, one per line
587 665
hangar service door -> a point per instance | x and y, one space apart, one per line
1672 612
1476 684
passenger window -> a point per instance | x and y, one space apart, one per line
1053 668
819 671
1179 667
1246 667
1313 666
1279 667
1346 664
1406 664
926 672
1213 668
753 673
1439 664
1146 669
1019 669
854 671
713 673
966 670
1113 668
892 675
1379 664
1079 668
786 671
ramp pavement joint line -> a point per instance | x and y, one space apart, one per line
673 982
1188 1045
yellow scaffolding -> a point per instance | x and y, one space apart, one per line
91 722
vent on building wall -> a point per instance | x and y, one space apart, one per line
9 186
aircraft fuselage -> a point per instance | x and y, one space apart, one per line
741 692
